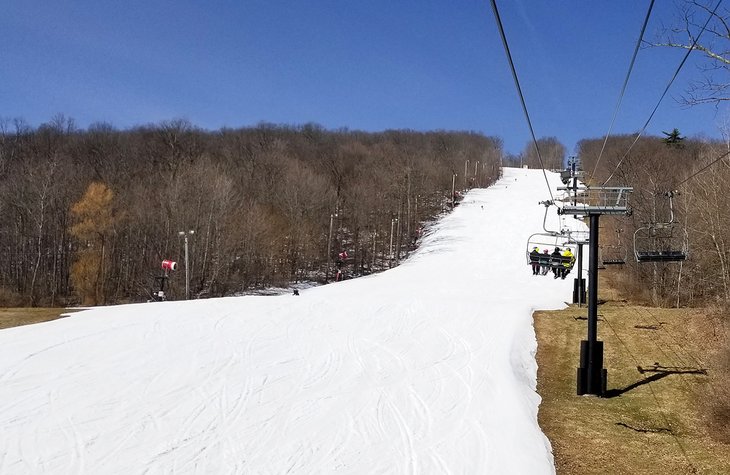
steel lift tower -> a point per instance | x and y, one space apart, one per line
593 202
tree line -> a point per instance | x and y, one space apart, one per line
697 172
87 216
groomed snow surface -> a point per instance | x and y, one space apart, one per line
427 368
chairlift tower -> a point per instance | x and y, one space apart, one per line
593 202
580 239
579 283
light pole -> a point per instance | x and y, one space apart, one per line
375 236
185 235
329 249
453 190
392 224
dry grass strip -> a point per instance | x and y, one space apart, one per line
13 317
664 381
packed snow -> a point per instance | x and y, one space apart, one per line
426 368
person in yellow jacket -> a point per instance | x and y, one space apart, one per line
568 260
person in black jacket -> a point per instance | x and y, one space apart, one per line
557 259
545 262
535 260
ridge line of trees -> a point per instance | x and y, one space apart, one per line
88 215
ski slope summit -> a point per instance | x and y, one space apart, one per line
426 368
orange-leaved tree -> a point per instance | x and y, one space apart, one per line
94 218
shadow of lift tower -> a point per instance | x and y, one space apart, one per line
592 202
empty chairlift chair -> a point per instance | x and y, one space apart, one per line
662 241
614 254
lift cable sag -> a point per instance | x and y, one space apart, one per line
519 92
623 88
676 73
703 169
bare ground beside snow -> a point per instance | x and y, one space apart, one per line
661 421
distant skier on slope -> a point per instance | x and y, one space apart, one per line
341 257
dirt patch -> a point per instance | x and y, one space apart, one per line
661 413
14 317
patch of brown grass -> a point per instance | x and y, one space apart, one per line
665 420
716 400
14 317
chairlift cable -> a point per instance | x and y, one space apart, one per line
648 443
623 88
519 92
676 341
703 169
676 73
679 358
653 393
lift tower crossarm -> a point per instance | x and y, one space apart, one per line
597 200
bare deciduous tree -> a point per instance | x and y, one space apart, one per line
714 85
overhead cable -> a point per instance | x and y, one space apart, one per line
703 169
676 73
626 82
519 92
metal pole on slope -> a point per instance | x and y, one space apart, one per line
453 191
592 378
593 202
392 224
185 234
329 249
579 283
375 236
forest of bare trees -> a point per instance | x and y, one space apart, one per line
88 215
551 157
654 167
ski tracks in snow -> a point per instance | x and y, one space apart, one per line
404 372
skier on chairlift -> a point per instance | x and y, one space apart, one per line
557 262
535 260
568 260
545 262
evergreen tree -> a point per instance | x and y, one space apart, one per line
673 138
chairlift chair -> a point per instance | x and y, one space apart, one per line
546 241
614 254
549 241
660 241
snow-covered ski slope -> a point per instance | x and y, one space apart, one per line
427 368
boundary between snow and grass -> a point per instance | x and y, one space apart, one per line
18 316
663 375
482 344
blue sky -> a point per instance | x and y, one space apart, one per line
366 65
